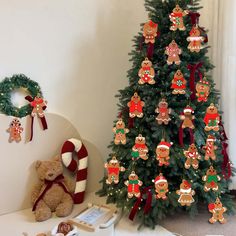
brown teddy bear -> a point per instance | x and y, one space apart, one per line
163 153
211 178
15 130
140 149
133 185
146 73
161 187
195 40
164 111
192 157
185 193
212 118
217 211
120 132
150 31
136 106
210 148
203 90
51 194
113 170
187 118
176 17
178 83
173 51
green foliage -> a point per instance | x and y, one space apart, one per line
158 12
8 85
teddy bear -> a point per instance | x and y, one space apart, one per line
140 149
164 111
15 130
163 152
173 52
113 170
217 211
133 185
192 157
53 192
146 72
212 118
178 83
120 132
210 148
136 106
211 178
202 90
150 31
187 117
185 193
195 40
161 187
176 17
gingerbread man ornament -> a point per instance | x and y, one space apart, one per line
15 131
173 51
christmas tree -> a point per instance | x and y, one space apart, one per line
169 147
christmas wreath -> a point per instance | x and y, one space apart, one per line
8 85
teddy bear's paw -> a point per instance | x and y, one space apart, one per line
64 209
43 214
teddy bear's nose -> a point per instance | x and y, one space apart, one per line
50 174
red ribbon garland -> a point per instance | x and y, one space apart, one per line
181 135
147 206
193 69
226 167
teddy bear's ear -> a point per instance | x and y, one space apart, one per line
57 158
38 163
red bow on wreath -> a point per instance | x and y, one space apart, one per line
38 106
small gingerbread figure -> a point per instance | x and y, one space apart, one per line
192 157
217 211
212 118
140 149
146 73
210 148
195 40
133 184
178 83
120 132
163 153
163 111
185 193
161 187
176 17
173 51
15 130
150 31
113 170
187 118
136 106
38 105
202 90
211 178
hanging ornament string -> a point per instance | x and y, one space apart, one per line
193 69
226 165
147 207
38 106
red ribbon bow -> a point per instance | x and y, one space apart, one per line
193 69
147 206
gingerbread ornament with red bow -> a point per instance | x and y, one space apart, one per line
176 17
113 170
202 90
195 40
217 209
163 152
163 111
15 130
178 83
140 149
185 193
173 51
136 106
146 72
192 157
150 31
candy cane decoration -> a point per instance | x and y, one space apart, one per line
69 147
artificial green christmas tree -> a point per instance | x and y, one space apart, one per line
169 150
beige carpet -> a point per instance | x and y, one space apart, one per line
182 225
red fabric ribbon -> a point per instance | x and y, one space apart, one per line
147 206
131 123
226 166
193 69
194 17
181 135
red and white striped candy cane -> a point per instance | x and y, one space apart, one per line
69 147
